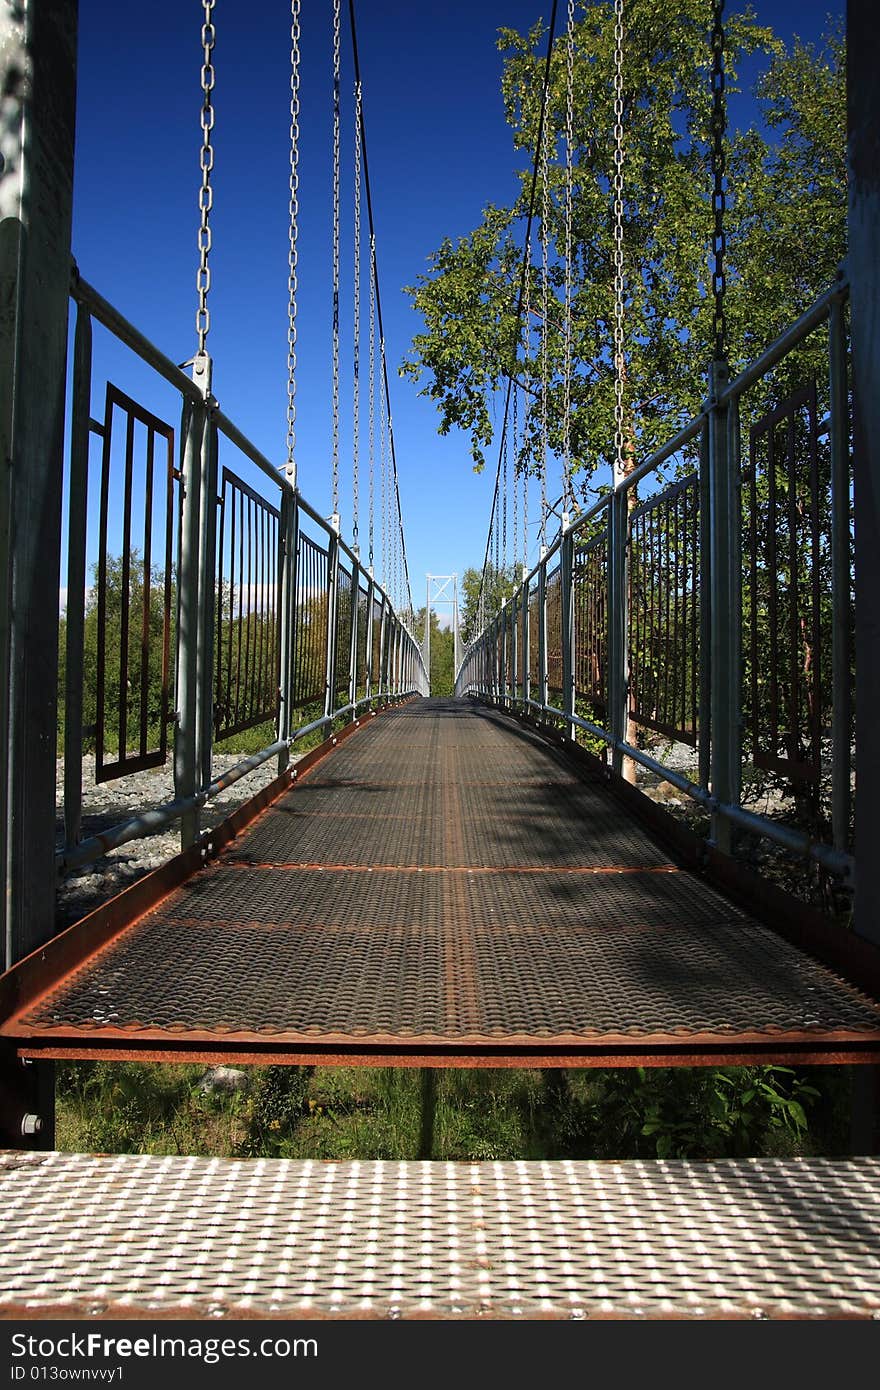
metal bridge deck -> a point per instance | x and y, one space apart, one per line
98 1236
445 887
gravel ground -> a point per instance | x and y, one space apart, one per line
113 802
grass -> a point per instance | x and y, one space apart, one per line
371 1113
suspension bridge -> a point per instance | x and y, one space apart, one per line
470 881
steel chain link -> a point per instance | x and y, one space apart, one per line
372 446
335 367
356 402
569 143
515 475
504 497
619 283
545 310
206 163
294 230
719 124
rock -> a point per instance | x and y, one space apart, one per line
228 1079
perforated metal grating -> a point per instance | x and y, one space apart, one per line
477 889
88 1235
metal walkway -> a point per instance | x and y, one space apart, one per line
444 887
92 1236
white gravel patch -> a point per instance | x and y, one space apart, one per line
111 803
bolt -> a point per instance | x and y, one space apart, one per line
30 1125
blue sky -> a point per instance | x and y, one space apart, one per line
439 150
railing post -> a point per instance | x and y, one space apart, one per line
288 560
332 611
369 676
542 630
526 645
566 598
726 603
841 565
704 743
193 733
863 222
353 644
76 575
617 622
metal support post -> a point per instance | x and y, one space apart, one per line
370 681
76 575
332 610
195 600
526 643
37 116
353 643
704 715
566 594
542 632
617 622
289 548
726 599
863 184
841 625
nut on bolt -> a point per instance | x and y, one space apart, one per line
30 1125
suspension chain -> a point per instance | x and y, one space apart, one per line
527 305
372 445
206 163
545 310
504 497
569 143
515 476
294 229
356 403
335 393
385 506
619 284
719 123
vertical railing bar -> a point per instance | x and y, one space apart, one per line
249 625
186 734
794 611
841 562
816 596
101 671
166 609
220 703
124 613
207 601
772 608
240 633
704 740
77 515
145 605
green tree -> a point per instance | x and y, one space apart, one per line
490 591
442 672
778 189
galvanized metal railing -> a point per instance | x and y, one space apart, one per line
222 611
715 612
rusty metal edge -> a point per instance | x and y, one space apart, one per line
852 956
447 1053
46 967
209 1308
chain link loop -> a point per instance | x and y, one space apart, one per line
372 393
567 346
545 310
206 164
719 202
335 368
515 547
356 402
294 231
619 283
